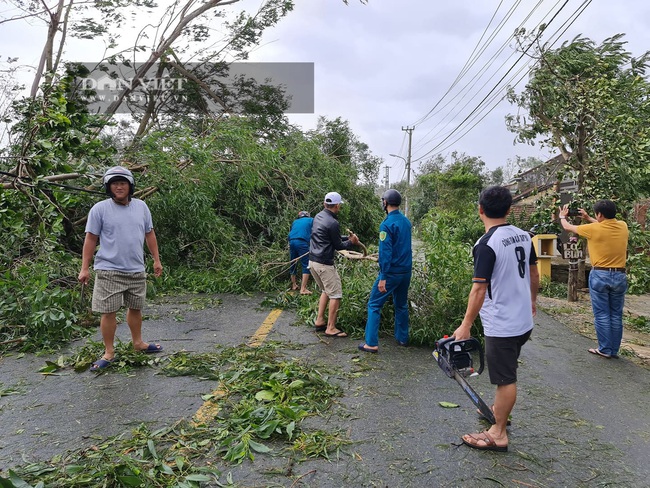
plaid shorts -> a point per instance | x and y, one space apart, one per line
115 289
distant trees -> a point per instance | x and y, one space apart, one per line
451 185
590 103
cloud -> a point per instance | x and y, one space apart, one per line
384 65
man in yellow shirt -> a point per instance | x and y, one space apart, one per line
607 244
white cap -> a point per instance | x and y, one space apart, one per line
333 198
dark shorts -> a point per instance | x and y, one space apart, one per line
502 354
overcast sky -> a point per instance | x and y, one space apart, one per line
425 64
385 65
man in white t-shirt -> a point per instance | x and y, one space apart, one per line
121 225
504 291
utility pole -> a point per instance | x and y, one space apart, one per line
386 178
409 131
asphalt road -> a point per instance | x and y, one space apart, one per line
580 420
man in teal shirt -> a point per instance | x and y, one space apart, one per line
395 265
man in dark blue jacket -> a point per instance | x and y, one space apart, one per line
395 265
299 236
325 240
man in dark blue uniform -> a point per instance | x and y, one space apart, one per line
395 265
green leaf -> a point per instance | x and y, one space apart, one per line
49 367
74 468
257 447
264 395
448 405
131 480
198 477
152 449
180 463
14 481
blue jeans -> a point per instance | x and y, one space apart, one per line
607 290
397 285
298 247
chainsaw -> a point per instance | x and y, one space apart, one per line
455 359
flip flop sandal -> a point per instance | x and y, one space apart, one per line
152 349
101 363
598 353
365 348
487 439
340 333
320 328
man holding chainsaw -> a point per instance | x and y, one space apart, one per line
504 291
395 264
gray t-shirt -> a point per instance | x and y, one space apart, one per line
121 230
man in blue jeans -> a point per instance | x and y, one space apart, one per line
299 236
395 265
607 244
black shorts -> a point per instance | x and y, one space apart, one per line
501 354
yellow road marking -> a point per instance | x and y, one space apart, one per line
265 328
210 408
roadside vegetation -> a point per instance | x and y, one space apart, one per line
224 185
224 188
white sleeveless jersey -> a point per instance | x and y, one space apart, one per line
501 259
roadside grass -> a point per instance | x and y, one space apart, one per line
638 323
552 289
262 399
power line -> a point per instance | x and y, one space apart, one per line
491 94
474 58
481 107
465 91
462 71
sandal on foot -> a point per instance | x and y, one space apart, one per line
598 353
320 328
488 441
340 333
101 363
366 348
151 349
